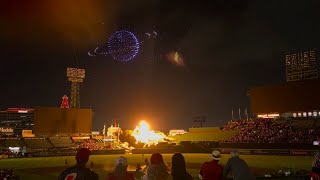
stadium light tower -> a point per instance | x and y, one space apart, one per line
76 77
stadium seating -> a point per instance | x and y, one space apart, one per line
37 143
12 142
273 131
91 144
61 142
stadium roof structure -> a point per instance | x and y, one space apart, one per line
18 110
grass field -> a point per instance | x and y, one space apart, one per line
49 167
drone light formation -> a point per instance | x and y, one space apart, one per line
123 45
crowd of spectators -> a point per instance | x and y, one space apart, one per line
268 131
90 144
10 154
7 174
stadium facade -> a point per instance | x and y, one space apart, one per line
291 100
45 121
297 98
52 121
14 120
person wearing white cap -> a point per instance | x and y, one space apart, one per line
212 170
120 170
239 168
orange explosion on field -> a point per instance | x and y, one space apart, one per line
143 134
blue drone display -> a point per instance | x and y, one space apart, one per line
122 45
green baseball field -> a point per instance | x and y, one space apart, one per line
50 167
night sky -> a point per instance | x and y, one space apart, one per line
228 46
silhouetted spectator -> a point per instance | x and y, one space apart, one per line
120 170
66 161
178 168
157 169
91 165
79 171
240 169
138 168
315 175
138 173
212 170
146 161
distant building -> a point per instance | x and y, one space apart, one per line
299 99
301 66
17 119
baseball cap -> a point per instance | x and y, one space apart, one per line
216 155
121 160
156 158
83 155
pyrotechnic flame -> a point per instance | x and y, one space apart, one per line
143 134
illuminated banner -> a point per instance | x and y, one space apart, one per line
176 132
27 133
79 138
268 116
95 132
6 130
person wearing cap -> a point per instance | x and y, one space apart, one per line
120 170
157 170
240 169
212 170
178 168
79 171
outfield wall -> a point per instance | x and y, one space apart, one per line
278 152
275 152
204 129
268 146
